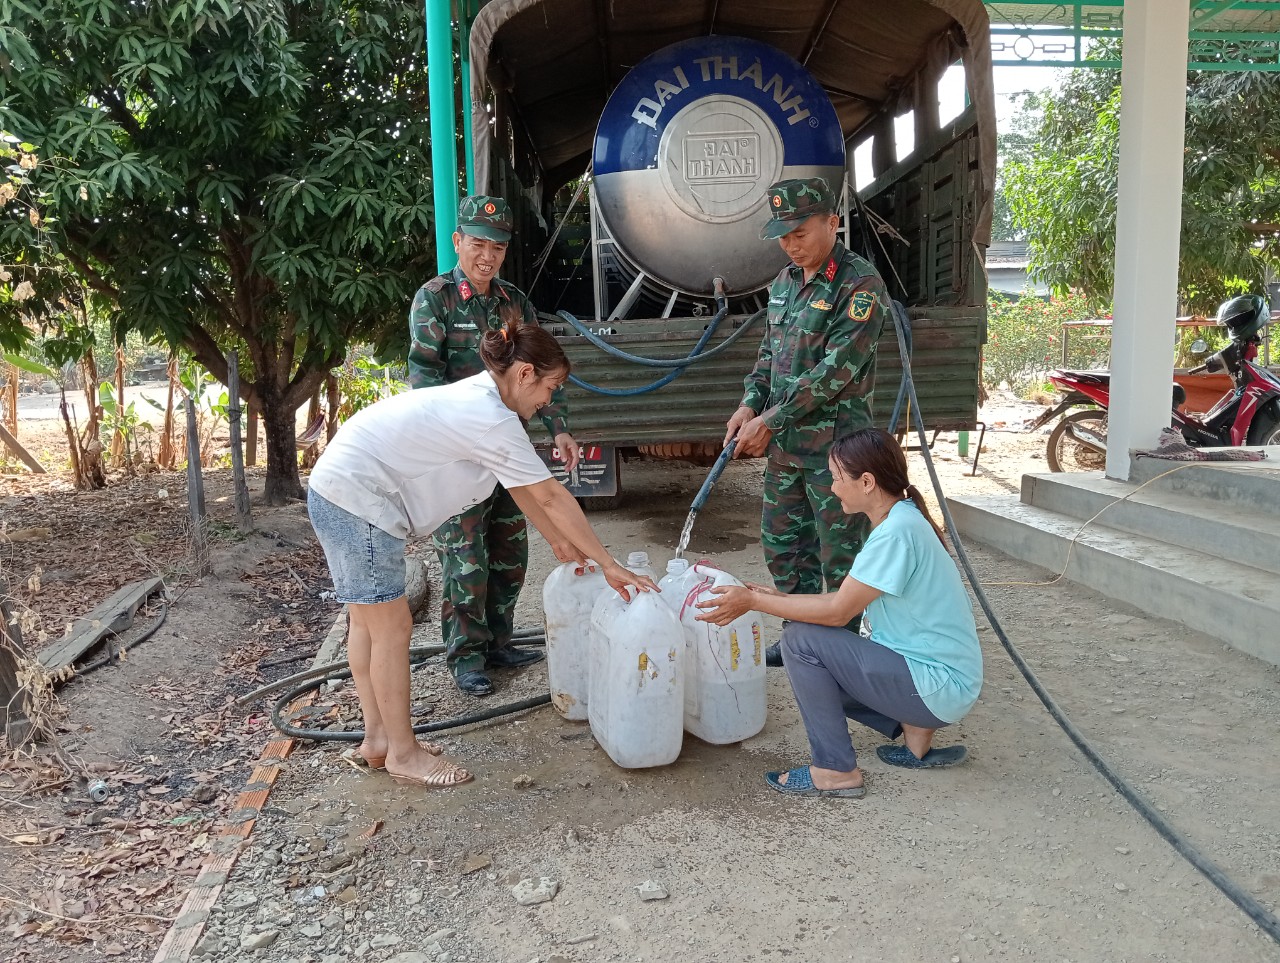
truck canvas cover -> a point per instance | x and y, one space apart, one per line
558 61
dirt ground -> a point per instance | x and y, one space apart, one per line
1024 852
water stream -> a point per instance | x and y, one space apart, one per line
685 533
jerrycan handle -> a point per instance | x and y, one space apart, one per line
694 592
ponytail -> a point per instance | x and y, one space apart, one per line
875 452
917 499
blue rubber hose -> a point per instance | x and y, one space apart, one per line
713 476
692 358
667 378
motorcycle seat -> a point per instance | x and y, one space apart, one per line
1086 377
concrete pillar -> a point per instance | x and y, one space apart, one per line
1149 216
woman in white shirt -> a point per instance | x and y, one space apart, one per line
405 465
921 668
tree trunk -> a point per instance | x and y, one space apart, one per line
283 482
90 475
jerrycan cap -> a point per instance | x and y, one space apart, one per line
637 559
677 566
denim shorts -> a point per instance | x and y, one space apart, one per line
367 564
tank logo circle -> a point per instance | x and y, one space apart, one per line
489 208
777 200
717 157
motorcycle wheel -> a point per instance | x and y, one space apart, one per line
1064 453
1265 429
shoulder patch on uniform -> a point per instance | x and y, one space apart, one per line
861 305
437 284
821 305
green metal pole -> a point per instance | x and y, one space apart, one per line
469 149
444 151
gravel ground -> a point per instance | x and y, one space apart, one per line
1025 852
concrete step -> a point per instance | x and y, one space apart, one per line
1236 603
1221 528
1242 484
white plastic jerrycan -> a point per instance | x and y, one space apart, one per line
636 697
568 596
724 686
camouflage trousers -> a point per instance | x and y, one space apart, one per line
483 554
808 539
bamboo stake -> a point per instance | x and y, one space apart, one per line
12 399
167 459
15 699
195 490
244 519
251 436
21 453
119 446
89 441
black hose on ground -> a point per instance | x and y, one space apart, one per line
116 654
313 679
1211 871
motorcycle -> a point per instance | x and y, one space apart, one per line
1249 414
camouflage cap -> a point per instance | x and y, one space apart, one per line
486 217
792 202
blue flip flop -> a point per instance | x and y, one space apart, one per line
800 783
933 759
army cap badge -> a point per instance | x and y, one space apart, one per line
792 202
485 217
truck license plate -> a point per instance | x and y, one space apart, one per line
596 474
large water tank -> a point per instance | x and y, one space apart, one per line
686 147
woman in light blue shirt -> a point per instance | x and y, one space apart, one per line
921 668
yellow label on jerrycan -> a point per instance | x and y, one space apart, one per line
635 698
724 693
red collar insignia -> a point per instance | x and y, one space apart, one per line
464 288
830 272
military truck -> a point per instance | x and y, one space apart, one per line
636 140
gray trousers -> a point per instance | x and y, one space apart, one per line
838 675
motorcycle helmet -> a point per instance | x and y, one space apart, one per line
1244 316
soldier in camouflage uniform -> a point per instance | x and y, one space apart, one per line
811 384
485 550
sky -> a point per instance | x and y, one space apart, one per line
1009 81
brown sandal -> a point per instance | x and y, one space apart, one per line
444 777
353 756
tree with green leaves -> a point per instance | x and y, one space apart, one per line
1064 195
225 173
1015 145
